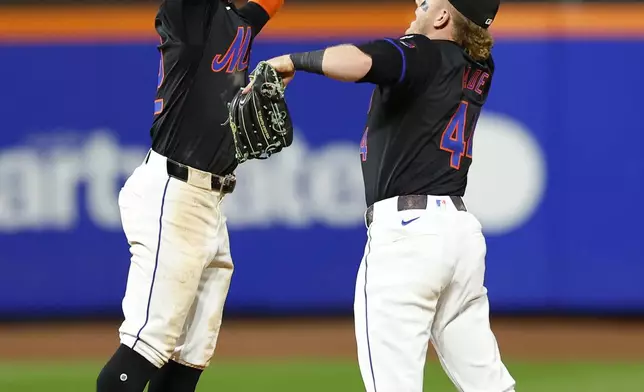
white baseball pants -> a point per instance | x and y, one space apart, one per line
180 267
422 281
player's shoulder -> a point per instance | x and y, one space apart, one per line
185 21
416 41
427 52
421 47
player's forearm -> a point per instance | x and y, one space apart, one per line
345 63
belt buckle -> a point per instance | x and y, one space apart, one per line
198 178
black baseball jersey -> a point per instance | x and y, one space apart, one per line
418 138
205 49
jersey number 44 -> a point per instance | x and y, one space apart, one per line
458 135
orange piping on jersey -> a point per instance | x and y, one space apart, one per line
158 104
270 6
49 24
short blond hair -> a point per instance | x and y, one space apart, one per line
476 40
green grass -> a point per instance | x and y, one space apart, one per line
311 376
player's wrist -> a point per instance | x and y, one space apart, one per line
308 61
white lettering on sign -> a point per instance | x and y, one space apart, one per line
48 186
53 181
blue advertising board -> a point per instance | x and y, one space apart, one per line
557 181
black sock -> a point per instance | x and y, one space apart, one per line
126 371
174 377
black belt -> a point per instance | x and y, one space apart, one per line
415 202
223 184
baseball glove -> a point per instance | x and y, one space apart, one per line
260 120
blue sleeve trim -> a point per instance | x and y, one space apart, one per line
404 59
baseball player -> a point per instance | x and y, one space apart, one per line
170 206
421 277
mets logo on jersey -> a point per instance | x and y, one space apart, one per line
405 41
236 57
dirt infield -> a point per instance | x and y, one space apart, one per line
248 339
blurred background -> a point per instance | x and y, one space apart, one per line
557 183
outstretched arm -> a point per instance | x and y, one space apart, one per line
383 62
183 20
